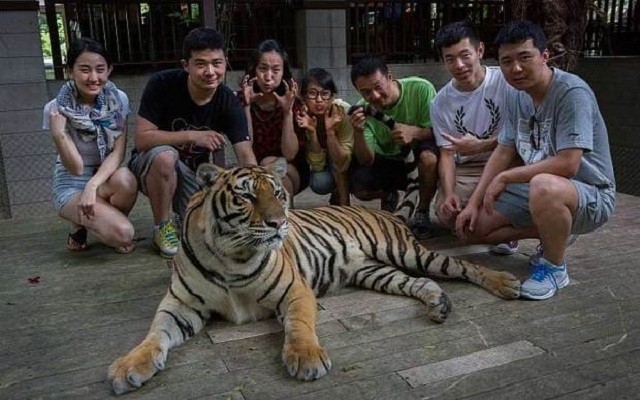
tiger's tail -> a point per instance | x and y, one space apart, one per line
411 197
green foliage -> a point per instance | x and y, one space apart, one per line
45 38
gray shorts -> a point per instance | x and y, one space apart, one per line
594 206
187 184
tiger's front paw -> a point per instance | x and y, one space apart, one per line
131 371
306 362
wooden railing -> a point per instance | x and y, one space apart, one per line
404 30
146 36
143 36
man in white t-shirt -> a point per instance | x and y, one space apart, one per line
467 115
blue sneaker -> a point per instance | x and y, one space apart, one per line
545 280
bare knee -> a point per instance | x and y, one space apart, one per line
428 162
164 165
123 232
547 190
123 181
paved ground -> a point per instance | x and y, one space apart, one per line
65 317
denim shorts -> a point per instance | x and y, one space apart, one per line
321 182
65 185
595 206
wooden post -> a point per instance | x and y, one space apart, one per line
209 13
52 23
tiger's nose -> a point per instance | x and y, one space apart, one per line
276 223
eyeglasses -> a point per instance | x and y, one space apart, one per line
324 95
535 140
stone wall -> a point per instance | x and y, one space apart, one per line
24 150
616 83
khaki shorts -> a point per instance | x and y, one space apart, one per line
595 206
467 178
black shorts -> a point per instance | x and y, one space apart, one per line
385 174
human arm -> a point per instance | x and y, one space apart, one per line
110 164
244 153
339 137
468 145
361 148
289 144
148 135
248 96
447 175
66 148
165 115
316 156
417 100
565 164
405 134
501 158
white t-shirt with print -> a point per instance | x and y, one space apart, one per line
480 112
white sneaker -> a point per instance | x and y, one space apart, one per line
504 249
545 280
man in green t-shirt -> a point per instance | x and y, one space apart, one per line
379 170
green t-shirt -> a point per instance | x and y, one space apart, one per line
412 108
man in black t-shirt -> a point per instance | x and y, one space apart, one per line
184 116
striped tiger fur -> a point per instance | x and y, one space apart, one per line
244 256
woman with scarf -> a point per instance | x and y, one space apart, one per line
87 121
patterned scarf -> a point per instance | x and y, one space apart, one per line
104 122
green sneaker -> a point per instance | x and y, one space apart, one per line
166 239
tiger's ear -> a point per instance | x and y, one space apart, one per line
278 167
207 173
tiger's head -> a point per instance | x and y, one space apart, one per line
246 208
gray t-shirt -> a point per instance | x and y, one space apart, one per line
568 117
88 150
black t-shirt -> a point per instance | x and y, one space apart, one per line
167 104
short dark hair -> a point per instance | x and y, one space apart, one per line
367 66
267 46
83 44
519 31
203 38
320 76
454 32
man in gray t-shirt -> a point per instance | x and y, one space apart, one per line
566 185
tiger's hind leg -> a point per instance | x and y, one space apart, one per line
391 280
173 324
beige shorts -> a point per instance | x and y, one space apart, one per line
467 178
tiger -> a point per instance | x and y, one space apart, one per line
246 256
